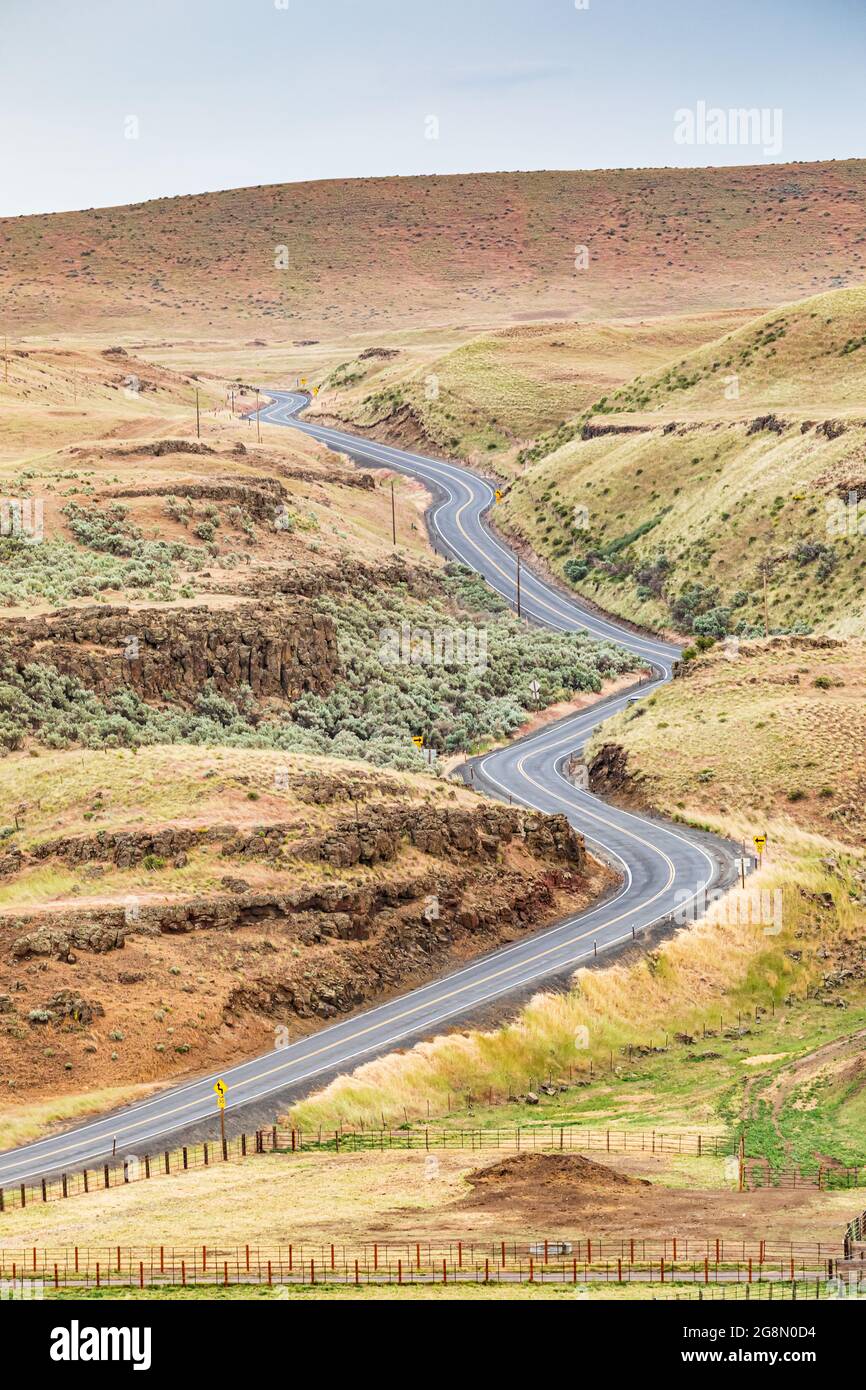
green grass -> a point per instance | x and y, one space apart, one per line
707 1085
684 513
483 398
788 359
406 1293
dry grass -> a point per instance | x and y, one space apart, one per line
773 738
185 784
484 397
20 1124
384 1293
758 727
462 249
54 396
281 1200
678 987
800 358
718 487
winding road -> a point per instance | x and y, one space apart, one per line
661 866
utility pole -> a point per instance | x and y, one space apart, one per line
518 586
232 396
766 604
197 416
258 419
393 516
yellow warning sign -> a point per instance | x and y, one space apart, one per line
418 740
220 1087
760 843
498 494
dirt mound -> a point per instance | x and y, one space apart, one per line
530 1177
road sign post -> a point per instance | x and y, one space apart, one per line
220 1087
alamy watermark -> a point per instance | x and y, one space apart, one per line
756 907
739 125
846 518
438 646
22 518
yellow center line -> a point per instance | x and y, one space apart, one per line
447 994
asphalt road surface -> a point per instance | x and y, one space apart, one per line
661 866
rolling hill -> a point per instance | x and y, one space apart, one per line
300 260
673 512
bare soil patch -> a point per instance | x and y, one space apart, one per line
534 1177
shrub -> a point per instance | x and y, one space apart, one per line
372 714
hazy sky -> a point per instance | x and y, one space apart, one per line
225 93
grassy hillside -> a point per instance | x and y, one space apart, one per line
801 358
769 733
484 248
213 900
485 398
673 514
767 742
197 673
51 397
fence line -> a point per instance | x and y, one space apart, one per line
527 1139
138 1167
453 1263
610 1258
691 1144
826 1177
576 1138
765 1292
130 1168
855 1236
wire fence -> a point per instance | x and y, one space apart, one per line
855 1238
520 1139
423 1262
826 1177
119 1171
637 1252
129 1168
765 1292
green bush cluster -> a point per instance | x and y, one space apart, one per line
373 712
110 555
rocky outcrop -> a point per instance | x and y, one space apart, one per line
352 577
271 649
377 836
261 502
608 770
67 1004
402 941
337 909
68 932
125 848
